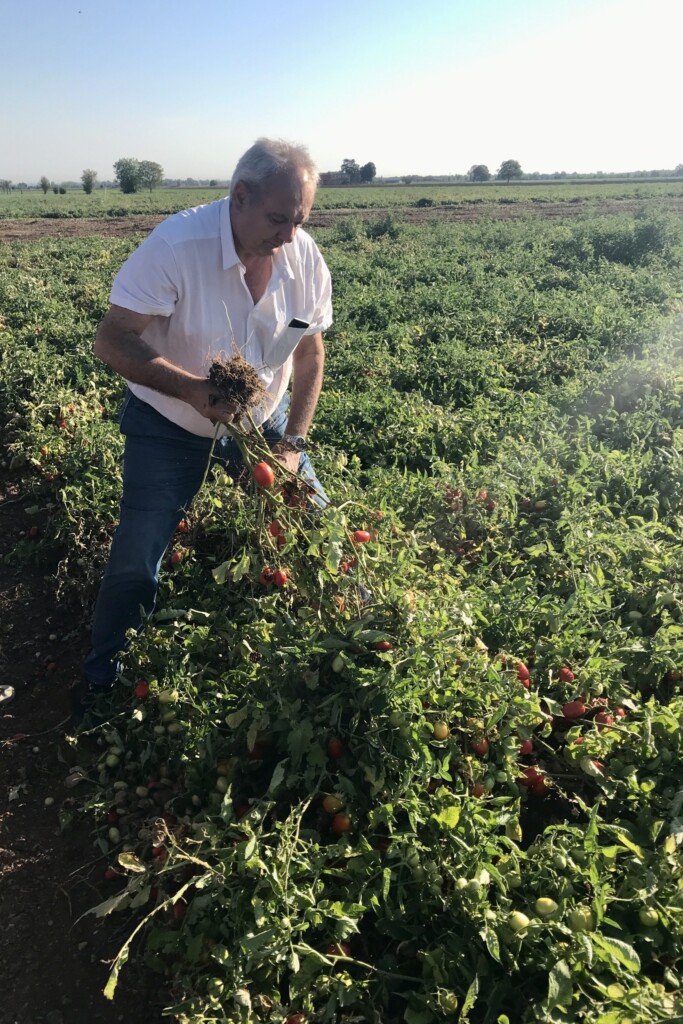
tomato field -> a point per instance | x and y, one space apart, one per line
430 769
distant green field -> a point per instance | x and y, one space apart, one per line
112 203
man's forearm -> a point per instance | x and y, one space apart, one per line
306 385
138 362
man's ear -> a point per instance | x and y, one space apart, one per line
240 195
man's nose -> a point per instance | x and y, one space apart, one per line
287 231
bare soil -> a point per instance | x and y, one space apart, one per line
53 967
26 230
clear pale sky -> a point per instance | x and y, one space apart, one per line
417 87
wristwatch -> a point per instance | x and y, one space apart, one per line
295 442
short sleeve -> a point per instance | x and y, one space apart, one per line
322 293
148 282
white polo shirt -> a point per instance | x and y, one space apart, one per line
184 272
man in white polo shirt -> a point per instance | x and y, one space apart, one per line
245 255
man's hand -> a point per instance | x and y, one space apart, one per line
288 458
204 397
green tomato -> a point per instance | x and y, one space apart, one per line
649 917
560 861
544 906
448 1002
518 921
581 919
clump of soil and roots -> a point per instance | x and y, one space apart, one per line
237 382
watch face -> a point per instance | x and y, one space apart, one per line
295 442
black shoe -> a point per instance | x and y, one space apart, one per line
83 697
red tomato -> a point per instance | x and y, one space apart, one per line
179 909
335 748
603 719
111 873
279 577
620 712
264 475
480 746
177 557
526 747
361 536
522 671
141 689
257 752
574 709
478 789
579 739
530 776
33 532
482 495
267 576
159 853
599 765
62 424
295 1018
540 787
673 675
566 675
384 645
344 567
274 529
341 823
184 526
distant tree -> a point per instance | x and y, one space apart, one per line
127 171
150 174
509 169
368 172
679 169
213 183
408 179
5 185
22 185
350 171
88 180
479 172
44 184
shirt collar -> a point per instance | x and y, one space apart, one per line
281 260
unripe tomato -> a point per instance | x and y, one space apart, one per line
361 536
518 921
448 1002
544 906
264 475
581 919
649 917
574 709
566 675
440 730
332 803
341 823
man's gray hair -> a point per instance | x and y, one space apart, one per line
270 157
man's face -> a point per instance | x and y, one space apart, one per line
265 221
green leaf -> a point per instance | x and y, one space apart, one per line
470 998
448 817
278 775
242 567
131 863
619 951
220 573
559 986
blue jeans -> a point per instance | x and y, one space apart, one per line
163 468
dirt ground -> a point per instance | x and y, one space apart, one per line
52 967
26 230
